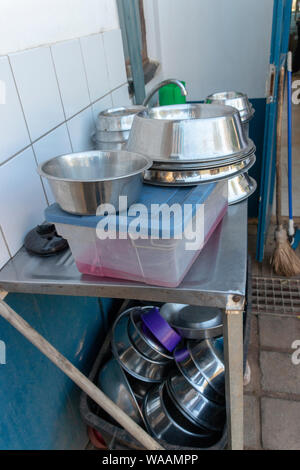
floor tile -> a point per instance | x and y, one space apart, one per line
251 422
280 424
279 374
278 332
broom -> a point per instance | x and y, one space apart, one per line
284 260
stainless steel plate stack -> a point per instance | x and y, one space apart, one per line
191 144
242 186
113 127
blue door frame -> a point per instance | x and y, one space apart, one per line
279 48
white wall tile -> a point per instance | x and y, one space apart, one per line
120 97
81 128
4 255
22 196
13 132
38 89
101 105
71 76
53 144
114 54
95 65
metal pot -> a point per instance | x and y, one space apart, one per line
82 181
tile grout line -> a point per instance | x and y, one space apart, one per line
58 125
5 241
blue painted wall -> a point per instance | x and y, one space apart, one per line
39 405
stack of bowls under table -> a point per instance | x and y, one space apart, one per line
241 102
192 144
113 127
173 390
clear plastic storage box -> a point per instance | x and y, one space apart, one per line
168 247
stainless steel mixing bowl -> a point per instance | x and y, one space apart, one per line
145 343
113 382
164 421
82 181
194 405
117 119
135 363
240 188
111 136
189 133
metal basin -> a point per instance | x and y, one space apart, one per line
165 422
82 181
113 382
144 342
111 136
132 360
240 188
192 176
207 357
235 99
194 405
117 119
189 133
109 146
193 322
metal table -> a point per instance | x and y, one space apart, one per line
217 278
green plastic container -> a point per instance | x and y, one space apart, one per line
171 94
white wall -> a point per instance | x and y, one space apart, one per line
30 23
53 93
212 45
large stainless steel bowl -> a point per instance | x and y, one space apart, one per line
164 421
189 133
113 382
240 187
194 405
82 181
135 363
235 99
117 119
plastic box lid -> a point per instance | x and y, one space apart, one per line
192 195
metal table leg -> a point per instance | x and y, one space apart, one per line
233 354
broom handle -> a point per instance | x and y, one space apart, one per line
81 380
278 143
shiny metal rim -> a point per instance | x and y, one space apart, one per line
194 177
252 189
117 119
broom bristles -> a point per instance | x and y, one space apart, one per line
285 262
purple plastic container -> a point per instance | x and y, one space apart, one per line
161 329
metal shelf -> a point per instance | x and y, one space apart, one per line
217 278
218 274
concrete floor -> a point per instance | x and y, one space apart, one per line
272 398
